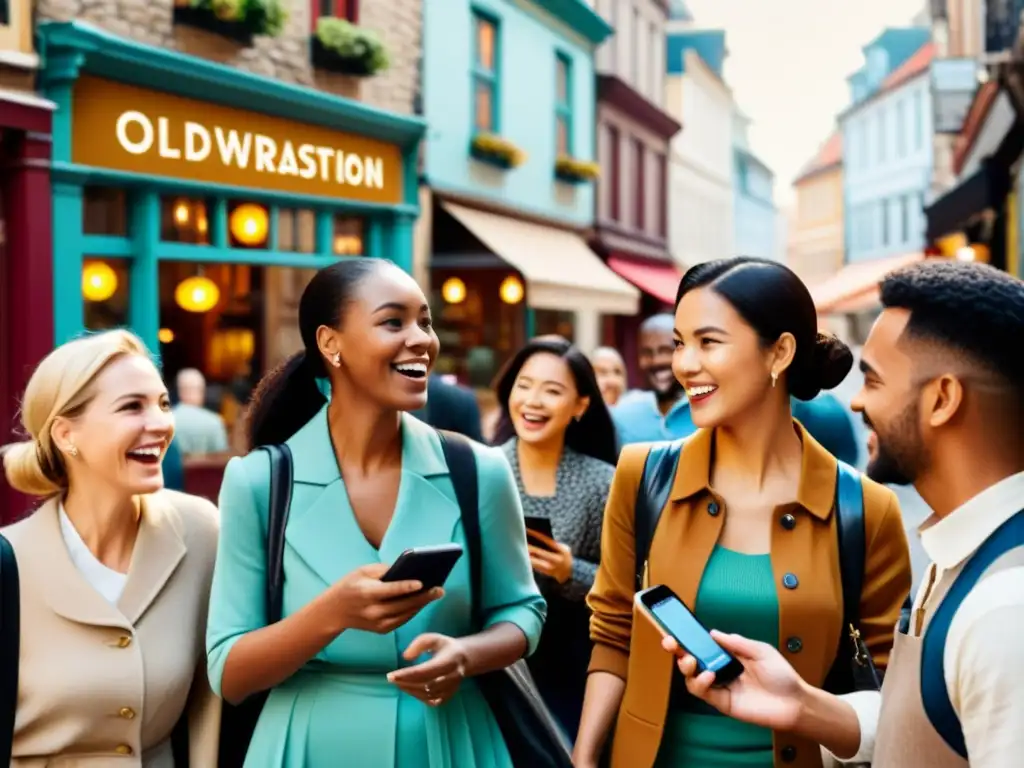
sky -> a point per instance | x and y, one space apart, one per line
787 66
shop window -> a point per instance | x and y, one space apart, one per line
348 236
296 230
105 291
248 224
5 13
554 322
485 74
104 211
185 220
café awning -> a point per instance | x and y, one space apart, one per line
657 279
854 288
561 272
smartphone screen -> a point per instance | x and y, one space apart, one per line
677 620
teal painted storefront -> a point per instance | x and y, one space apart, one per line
70 50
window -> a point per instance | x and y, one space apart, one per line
901 128
563 105
5 13
615 159
661 167
485 74
104 211
905 218
882 126
918 122
885 222
337 9
639 196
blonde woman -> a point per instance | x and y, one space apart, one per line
114 571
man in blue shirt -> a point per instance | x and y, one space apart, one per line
662 411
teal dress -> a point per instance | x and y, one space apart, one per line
736 594
339 711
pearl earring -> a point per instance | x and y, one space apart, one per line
73 451
775 378
336 360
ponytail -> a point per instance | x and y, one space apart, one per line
285 399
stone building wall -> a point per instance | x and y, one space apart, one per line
287 57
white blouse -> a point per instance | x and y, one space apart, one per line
104 580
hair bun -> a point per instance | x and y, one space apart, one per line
833 360
25 471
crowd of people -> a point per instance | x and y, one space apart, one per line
160 630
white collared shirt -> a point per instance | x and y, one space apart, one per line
984 654
108 582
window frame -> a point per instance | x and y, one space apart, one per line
347 10
563 109
480 76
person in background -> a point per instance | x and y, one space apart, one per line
451 407
610 370
174 468
747 538
562 450
831 424
115 570
363 672
943 396
199 430
662 412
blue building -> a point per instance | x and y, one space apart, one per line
509 193
755 217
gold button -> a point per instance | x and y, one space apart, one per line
124 641
123 749
127 713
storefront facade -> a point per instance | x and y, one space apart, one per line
191 198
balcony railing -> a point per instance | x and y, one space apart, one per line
1002 24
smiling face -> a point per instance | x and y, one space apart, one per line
544 399
890 405
386 342
123 432
720 360
655 361
611 374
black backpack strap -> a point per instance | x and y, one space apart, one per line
849 509
10 642
277 520
655 485
934 694
461 461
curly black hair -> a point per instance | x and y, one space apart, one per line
970 308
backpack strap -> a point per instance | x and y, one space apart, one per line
10 640
934 694
461 461
277 520
659 474
849 509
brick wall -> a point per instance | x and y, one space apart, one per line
286 57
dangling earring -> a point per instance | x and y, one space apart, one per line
336 360
578 417
775 378
73 451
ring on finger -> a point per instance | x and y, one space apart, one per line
428 689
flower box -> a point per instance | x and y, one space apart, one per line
494 150
341 46
206 19
573 171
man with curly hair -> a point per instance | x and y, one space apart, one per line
944 396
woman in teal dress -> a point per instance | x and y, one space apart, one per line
363 673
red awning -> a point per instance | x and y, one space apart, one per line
657 279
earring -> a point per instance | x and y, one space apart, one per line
578 417
336 360
73 451
775 378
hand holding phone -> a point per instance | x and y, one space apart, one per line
431 566
539 532
360 600
675 620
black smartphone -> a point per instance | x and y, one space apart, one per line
428 565
671 614
541 525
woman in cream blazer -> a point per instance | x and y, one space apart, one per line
114 571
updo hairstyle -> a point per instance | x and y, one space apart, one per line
60 386
773 301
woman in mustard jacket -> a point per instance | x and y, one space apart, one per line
748 536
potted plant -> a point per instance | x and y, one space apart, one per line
237 20
341 46
573 171
499 152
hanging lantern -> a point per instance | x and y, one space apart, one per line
453 290
99 281
197 294
511 290
249 224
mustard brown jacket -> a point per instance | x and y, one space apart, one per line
689 527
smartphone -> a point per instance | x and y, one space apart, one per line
670 613
428 565
541 525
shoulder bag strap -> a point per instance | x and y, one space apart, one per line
10 639
849 509
461 461
655 485
934 694
277 519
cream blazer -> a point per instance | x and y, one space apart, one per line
101 685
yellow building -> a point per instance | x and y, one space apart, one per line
816 245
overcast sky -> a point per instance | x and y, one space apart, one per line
787 65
